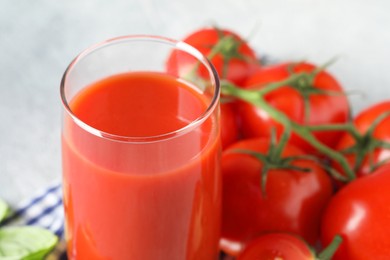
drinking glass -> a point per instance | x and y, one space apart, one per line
148 195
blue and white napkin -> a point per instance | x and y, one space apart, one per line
44 209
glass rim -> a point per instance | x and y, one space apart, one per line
179 45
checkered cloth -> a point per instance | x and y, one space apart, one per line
44 210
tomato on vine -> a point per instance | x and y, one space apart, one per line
285 246
312 100
230 54
368 146
267 191
360 213
233 59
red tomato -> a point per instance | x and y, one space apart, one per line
362 123
360 213
229 127
277 246
235 62
324 109
293 203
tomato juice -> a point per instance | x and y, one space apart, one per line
141 170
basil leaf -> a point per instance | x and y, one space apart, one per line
4 210
26 243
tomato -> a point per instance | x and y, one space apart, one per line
293 200
229 127
363 122
277 246
324 109
235 61
360 213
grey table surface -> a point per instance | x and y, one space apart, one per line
39 38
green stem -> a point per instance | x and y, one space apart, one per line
376 122
306 134
214 51
218 47
265 166
331 249
324 66
278 148
228 87
273 86
348 127
384 145
302 131
248 95
264 175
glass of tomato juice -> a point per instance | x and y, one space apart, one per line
141 151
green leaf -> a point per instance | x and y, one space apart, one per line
25 243
4 210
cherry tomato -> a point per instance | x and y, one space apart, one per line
234 61
360 213
363 122
324 108
229 127
293 200
277 246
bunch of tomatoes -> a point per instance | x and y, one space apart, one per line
303 177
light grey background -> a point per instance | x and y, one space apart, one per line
38 39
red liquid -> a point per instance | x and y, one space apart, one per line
156 200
